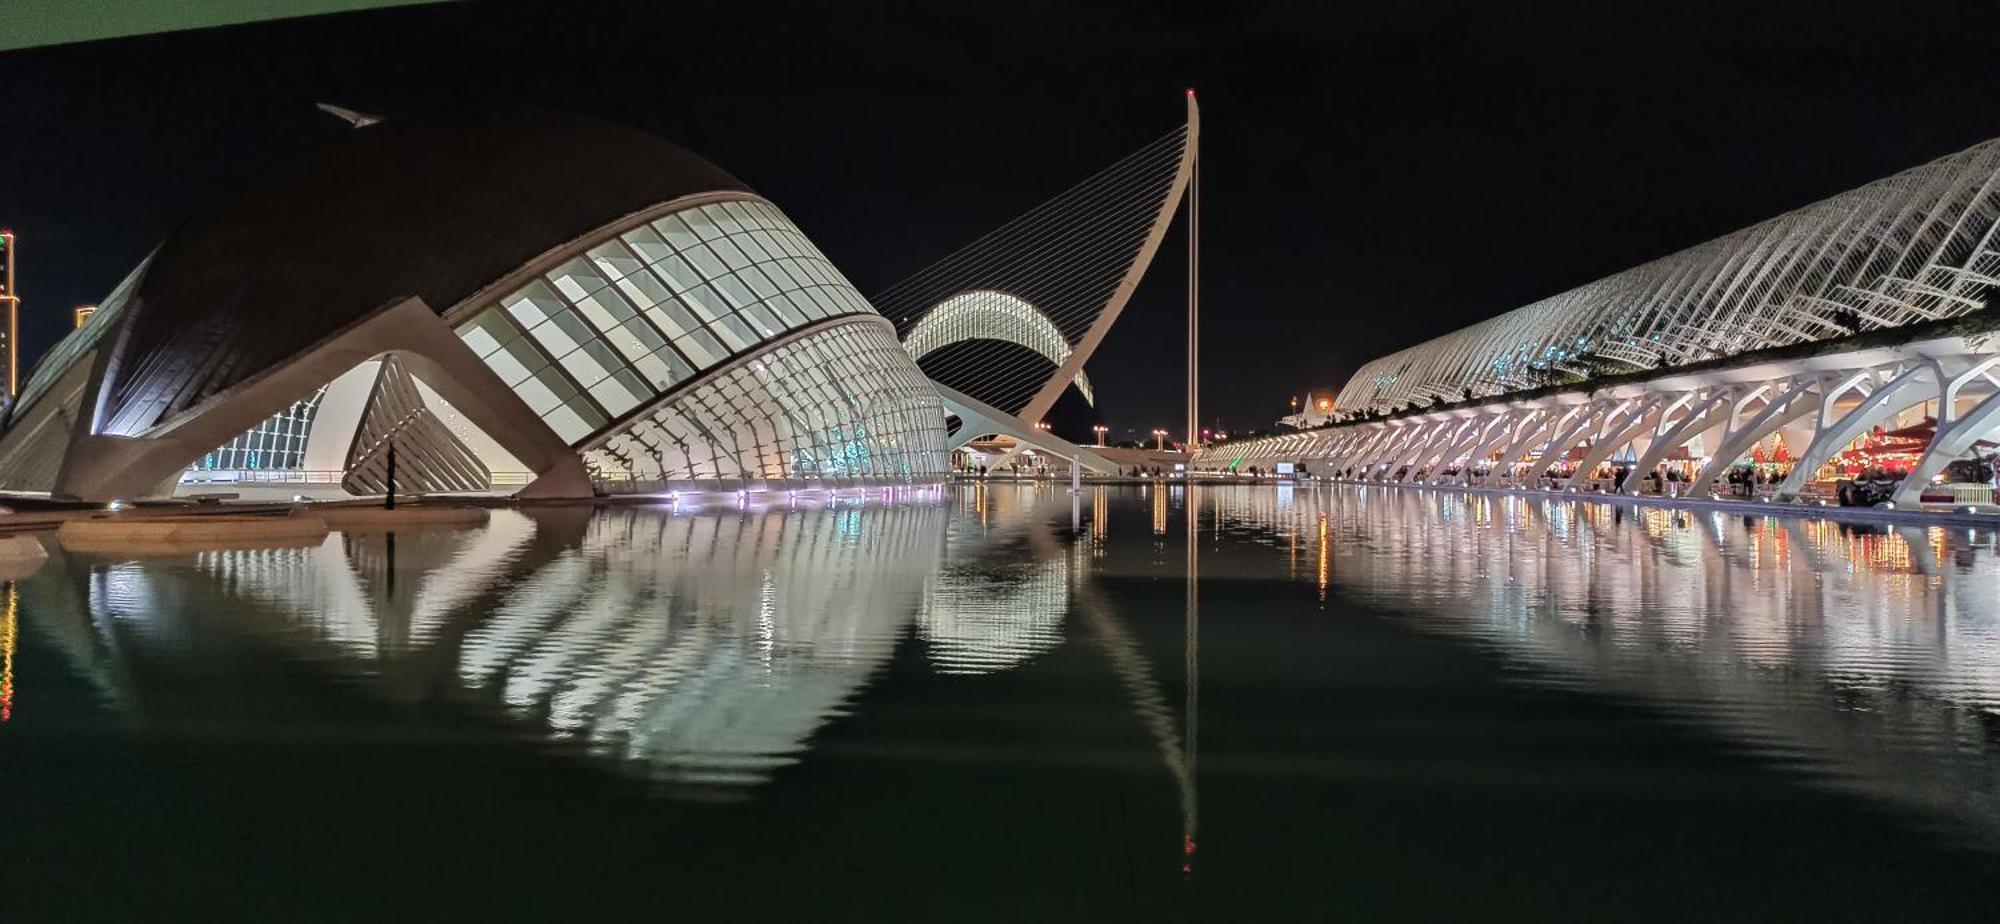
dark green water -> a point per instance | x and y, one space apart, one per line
1387 705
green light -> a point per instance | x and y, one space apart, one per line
31 23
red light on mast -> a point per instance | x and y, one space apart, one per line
1190 93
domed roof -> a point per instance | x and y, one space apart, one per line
435 207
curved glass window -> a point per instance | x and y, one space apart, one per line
637 314
279 443
841 403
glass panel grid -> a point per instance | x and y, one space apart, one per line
660 303
277 444
844 403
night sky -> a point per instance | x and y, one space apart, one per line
1371 177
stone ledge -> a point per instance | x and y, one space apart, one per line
376 518
153 535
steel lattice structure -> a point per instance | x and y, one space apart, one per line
1912 247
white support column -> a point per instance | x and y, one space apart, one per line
1398 436
1584 426
1494 427
1555 429
1645 418
1407 462
1526 435
1880 405
1957 375
1352 456
1800 399
1475 431
1439 453
1333 446
1512 422
1420 434
1953 441
1704 413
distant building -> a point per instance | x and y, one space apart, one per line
83 313
1811 336
10 325
1316 412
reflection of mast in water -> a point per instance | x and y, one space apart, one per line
1193 669
1323 563
1135 673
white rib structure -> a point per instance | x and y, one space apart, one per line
1913 247
990 315
1871 309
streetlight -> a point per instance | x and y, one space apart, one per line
1099 430
1159 440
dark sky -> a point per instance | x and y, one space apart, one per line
1372 175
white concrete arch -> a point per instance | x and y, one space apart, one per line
1645 418
1914 385
1703 414
104 467
1600 415
1908 248
1953 441
989 314
1820 400
1551 428
1797 401
1468 433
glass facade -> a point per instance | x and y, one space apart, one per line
632 317
845 402
277 444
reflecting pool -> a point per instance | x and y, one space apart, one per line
1009 703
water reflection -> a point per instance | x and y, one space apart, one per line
701 649
10 627
707 649
1868 657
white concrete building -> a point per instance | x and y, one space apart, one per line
1821 328
509 298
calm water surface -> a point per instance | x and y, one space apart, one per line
1006 704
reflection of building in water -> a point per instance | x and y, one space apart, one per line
986 616
999 596
1864 652
701 648
708 647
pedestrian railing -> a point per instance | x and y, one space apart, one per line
1972 494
